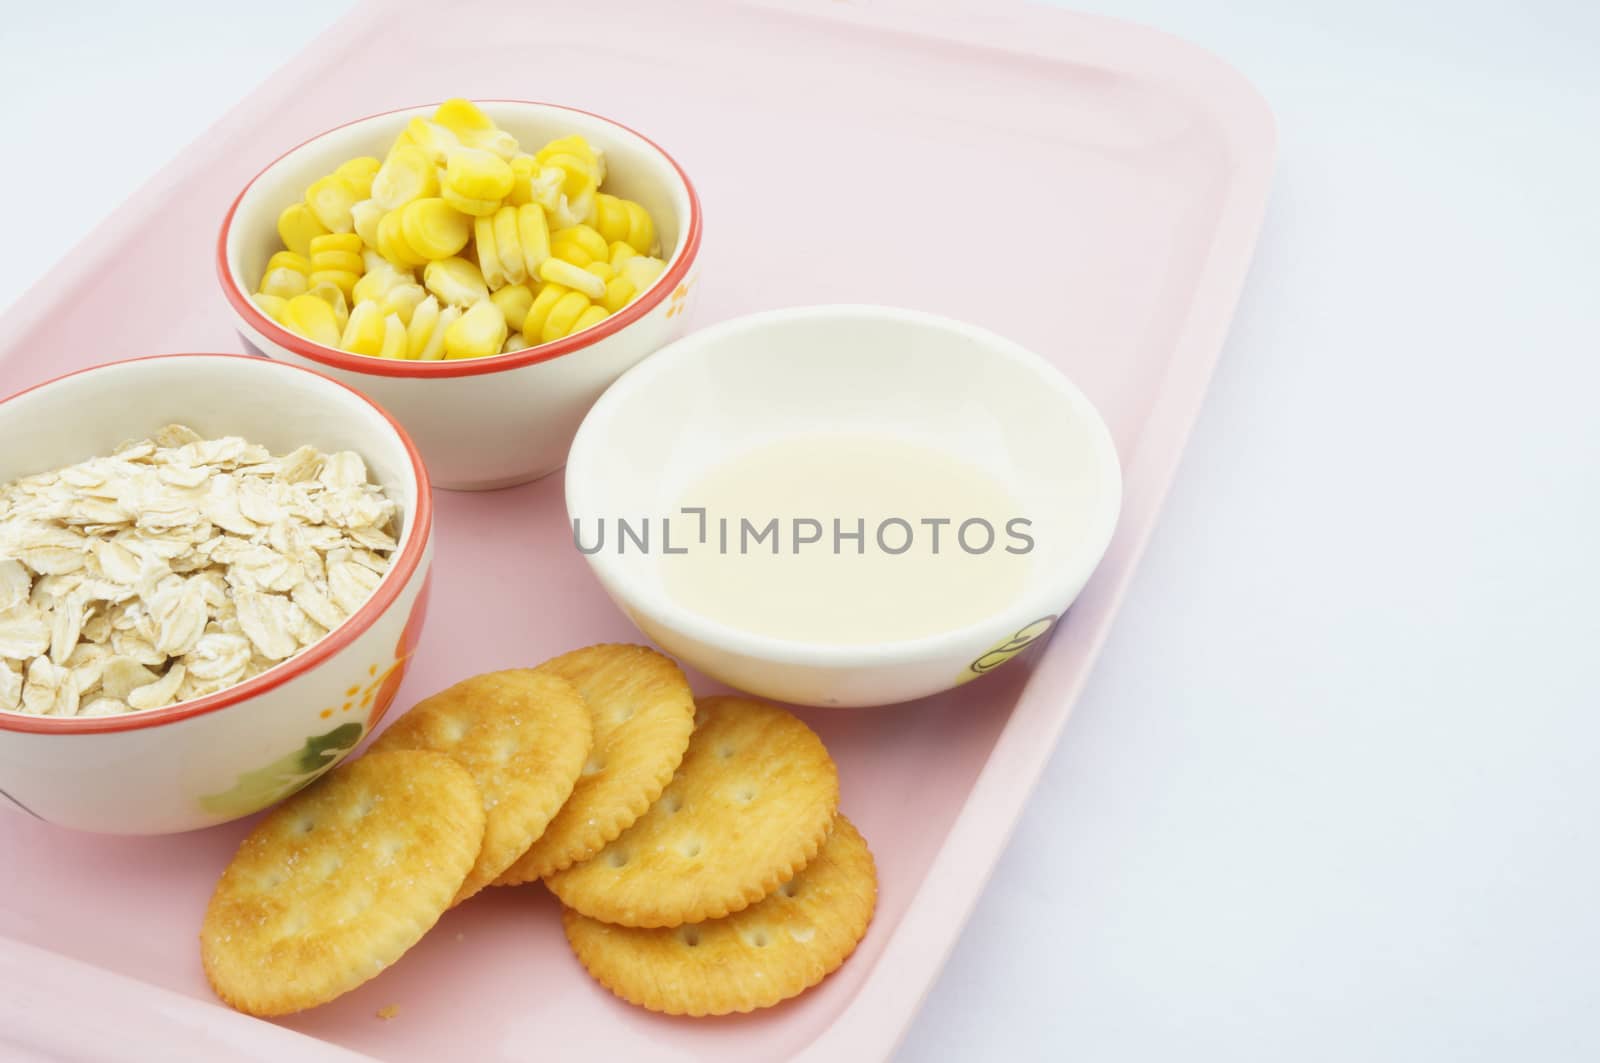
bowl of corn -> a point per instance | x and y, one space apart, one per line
482 270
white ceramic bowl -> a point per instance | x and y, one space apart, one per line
482 423
853 370
231 753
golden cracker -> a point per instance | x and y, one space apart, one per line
523 735
771 951
752 802
340 880
642 712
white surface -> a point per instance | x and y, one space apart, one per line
1331 792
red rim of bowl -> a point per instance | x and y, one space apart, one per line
398 577
246 308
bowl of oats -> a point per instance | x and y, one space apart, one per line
213 571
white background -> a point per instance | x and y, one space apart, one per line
1333 790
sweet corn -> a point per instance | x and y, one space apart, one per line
365 216
514 342
402 300
311 317
624 221
338 251
296 226
271 305
407 174
508 245
343 279
432 348
432 139
363 333
380 277
459 116
332 295
602 269
495 141
479 332
488 251
586 237
583 165
533 234
478 176
359 172
573 210
619 293
513 301
563 316
523 169
284 283
420 329
643 270
621 252
289 260
539 310
455 281
560 271
570 251
592 316
392 242
433 229
394 337
330 199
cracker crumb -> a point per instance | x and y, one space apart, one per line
388 1011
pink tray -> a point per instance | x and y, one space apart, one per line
1089 188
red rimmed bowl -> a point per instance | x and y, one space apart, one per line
216 758
487 422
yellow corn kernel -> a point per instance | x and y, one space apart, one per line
394 337
434 229
359 173
602 269
533 235
432 139
621 252
571 251
332 295
544 182
271 305
289 260
514 342
296 226
559 271
343 279
573 210
508 245
455 281
623 220
284 283
365 216
392 242
407 174
311 317
467 205
459 115
592 316
379 278
434 350
513 301
363 333
477 176
619 293
584 236
330 199
488 251
643 270
523 167
479 332
563 316
402 301
338 251
420 328
495 141
539 311
581 162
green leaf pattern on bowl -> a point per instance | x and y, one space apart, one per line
257 789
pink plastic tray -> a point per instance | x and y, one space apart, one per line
1089 188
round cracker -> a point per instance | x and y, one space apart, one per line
523 735
340 880
769 952
642 711
751 803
